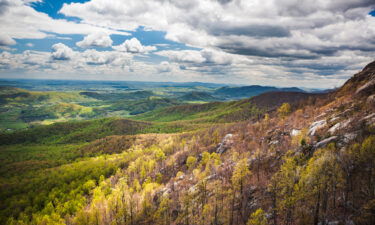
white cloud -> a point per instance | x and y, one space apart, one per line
63 61
19 20
261 30
183 56
134 46
164 67
95 40
205 56
93 64
5 40
62 52
93 57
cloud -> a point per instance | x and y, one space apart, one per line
287 28
19 20
95 40
5 40
64 61
287 42
62 52
93 57
4 6
134 46
164 67
114 65
203 57
183 56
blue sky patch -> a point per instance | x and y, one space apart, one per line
52 8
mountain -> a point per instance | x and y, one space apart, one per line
271 100
250 91
224 112
197 96
276 158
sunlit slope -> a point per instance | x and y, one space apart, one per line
223 112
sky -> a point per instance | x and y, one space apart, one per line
303 43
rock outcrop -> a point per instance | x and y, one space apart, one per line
316 126
225 144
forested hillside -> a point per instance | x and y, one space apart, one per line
276 158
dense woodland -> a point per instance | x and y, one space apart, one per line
276 158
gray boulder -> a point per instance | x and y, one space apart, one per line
225 144
325 142
316 126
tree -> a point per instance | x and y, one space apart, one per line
284 182
240 175
258 158
319 181
190 162
284 109
162 214
258 218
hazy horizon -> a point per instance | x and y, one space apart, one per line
171 82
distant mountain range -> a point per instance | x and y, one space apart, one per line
197 96
250 91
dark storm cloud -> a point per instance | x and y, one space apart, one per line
4 6
257 31
262 52
224 1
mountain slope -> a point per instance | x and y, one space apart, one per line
227 111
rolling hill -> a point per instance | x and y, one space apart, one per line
196 96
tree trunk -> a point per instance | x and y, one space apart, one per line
232 209
274 209
317 206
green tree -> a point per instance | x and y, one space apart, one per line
257 218
283 186
284 109
319 181
190 162
239 179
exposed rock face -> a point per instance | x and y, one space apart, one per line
334 128
339 126
369 119
366 89
316 126
274 142
349 137
371 101
334 119
325 142
225 144
295 132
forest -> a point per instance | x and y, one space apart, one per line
178 155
